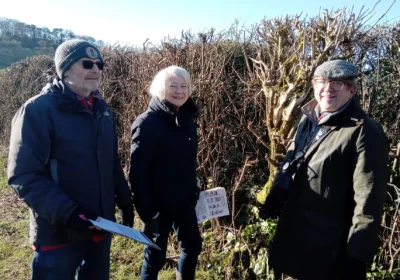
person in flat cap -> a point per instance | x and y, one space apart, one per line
64 164
329 192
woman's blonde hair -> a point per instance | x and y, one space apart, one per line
157 87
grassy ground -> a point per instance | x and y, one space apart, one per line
16 251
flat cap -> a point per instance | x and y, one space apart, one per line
337 69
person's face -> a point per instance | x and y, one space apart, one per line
176 91
332 94
83 81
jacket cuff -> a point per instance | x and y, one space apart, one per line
65 211
360 247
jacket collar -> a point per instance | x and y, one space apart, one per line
68 101
164 108
351 111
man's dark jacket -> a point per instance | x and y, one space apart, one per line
335 204
163 159
63 156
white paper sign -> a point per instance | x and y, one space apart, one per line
211 204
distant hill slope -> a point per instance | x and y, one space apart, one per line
19 40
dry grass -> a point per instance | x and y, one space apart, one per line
15 251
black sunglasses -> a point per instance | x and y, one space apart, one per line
88 64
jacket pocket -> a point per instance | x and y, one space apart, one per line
319 237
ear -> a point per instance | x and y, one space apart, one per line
353 90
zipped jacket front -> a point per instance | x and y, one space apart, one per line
61 156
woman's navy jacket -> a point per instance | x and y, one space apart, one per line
163 159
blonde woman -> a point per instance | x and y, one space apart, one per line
163 172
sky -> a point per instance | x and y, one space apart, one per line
131 22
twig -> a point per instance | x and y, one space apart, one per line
235 188
259 138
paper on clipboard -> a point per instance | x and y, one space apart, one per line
129 232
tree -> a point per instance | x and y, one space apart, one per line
290 50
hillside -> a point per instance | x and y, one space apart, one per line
19 40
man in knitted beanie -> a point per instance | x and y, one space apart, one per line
73 50
330 190
79 65
64 164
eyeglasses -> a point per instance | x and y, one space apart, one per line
88 64
335 85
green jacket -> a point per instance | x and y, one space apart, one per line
336 200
